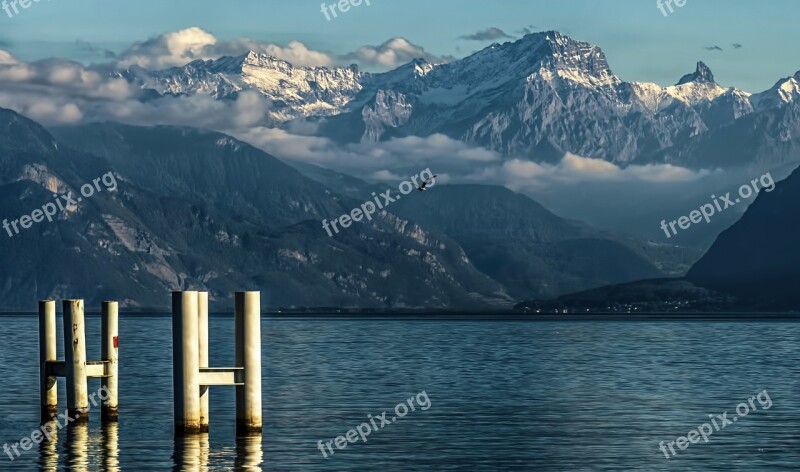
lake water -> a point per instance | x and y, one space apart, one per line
504 395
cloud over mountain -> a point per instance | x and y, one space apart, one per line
572 169
489 34
392 53
177 48
454 117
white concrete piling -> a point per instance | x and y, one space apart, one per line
202 319
75 360
247 327
186 362
192 374
75 368
110 354
48 387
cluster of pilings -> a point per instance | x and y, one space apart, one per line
75 368
192 376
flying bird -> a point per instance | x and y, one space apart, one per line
425 184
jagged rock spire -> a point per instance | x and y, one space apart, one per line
701 74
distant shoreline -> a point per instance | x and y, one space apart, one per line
479 316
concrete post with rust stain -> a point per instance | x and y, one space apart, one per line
202 319
185 362
110 354
75 361
247 320
48 387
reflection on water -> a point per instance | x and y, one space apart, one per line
110 439
78 447
86 449
83 449
191 453
48 451
249 454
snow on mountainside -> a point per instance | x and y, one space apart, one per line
783 92
295 91
538 97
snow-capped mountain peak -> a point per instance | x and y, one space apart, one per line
537 97
294 91
696 87
784 91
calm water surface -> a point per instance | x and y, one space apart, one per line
505 395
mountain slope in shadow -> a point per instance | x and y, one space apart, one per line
199 210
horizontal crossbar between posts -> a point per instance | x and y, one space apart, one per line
93 369
221 376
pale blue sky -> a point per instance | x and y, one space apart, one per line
641 44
